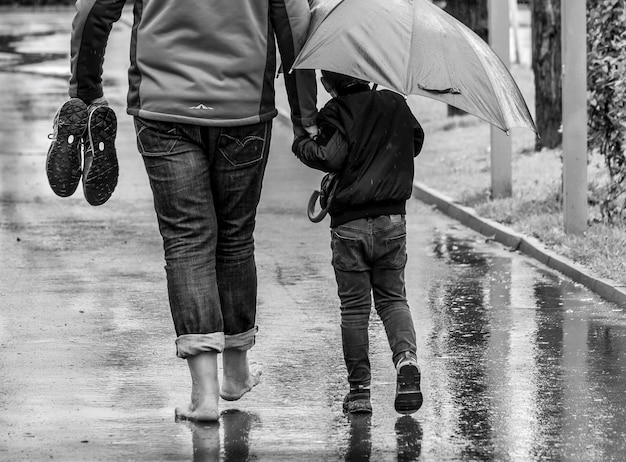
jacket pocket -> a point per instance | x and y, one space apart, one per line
155 138
245 145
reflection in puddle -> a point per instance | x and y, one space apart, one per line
235 426
11 53
409 439
360 438
530 364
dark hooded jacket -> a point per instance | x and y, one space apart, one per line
369 139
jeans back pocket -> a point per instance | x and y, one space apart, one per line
245 145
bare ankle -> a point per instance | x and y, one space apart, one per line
239 378
235 365
204 388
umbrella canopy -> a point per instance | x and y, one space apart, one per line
414 47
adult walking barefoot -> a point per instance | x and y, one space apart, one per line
204 389
239 377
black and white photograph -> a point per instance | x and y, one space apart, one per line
313 230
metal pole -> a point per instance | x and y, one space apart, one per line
574 51
501 149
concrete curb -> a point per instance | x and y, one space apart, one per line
606 288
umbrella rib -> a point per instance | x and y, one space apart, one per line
471 35
509 120
319 23
407 83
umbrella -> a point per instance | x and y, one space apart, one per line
414 47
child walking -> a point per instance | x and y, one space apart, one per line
367 141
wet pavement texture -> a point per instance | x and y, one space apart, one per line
518 363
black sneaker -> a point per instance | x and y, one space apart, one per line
408 393
357 402
101 169
63 162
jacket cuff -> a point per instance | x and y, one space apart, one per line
86 97
304 121
296 147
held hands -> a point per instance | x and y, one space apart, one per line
301 134
311 131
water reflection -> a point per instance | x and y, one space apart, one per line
360 439
235 426
206 441
409 439
460 336
529 365
10 47
408 434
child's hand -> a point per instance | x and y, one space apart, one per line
312 131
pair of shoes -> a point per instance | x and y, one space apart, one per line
357 402
77 128
408 393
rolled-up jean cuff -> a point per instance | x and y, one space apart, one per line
241 342
193 344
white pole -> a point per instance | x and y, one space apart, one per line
501 150
574 51
515 28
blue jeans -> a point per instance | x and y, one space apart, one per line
369 257
206 183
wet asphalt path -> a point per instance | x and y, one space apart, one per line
518 363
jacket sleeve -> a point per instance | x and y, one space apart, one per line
327 152
418 137
290 20
90 32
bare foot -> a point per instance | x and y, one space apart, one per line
204 389
197 414
239 377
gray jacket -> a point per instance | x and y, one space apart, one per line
197 61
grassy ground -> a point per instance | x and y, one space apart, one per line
456 162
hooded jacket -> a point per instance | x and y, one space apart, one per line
199 62
369 139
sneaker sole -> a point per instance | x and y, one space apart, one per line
63 161
408 394
101 169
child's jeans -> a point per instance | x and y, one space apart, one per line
369 256
206 183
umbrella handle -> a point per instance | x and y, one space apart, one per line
311 208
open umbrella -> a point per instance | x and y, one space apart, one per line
414 47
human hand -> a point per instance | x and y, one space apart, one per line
310 131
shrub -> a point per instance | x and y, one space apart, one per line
606 56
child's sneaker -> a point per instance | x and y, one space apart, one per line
357 401
100 170
63 162
408 393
